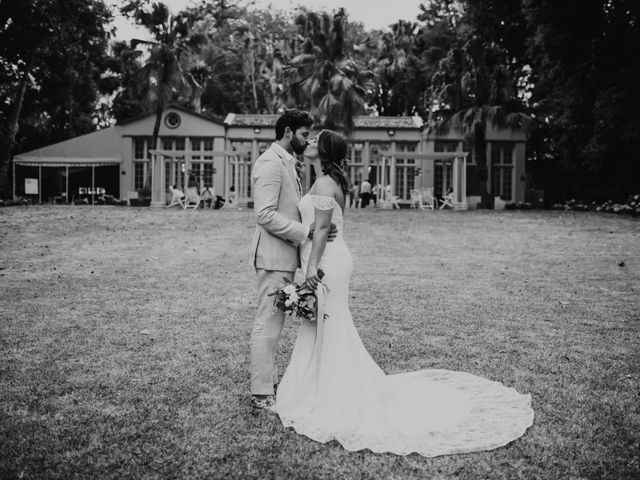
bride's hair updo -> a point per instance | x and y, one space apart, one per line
332 150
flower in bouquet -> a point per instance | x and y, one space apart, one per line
298 300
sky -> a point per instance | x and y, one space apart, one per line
373 13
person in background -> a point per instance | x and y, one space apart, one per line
375 190
365 193
354 195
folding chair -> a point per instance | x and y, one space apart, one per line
177 198
82 197
447 200
191 199
207 197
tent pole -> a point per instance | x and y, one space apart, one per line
93 181
40 184
14 182
66 186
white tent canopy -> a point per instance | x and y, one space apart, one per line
28 161
84 151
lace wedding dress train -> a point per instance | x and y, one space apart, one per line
333 389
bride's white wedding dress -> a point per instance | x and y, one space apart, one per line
333 389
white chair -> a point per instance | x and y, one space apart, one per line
177 198
447 200
208 196
191 199
428 200
392 199
387 201
416 199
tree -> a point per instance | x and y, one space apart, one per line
585 95
240 64
502 23
52 55
323 77
472 88
264 38
397 69
408 56
162 77
124 63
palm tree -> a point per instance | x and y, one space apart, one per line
398 70
162 77
472 88
323 78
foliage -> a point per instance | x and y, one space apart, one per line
324 77
298 300
240 63
472 89
460 63
162 79
398 71
586 95
52 56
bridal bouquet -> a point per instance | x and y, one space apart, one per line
298 300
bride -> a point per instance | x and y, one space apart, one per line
333 389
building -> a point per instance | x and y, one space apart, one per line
197 150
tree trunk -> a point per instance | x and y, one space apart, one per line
5 168
253 83
6 144
480 147
154 145
196 99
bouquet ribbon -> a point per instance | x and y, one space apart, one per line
321 293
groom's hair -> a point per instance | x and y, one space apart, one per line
294 119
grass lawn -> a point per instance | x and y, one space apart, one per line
124 338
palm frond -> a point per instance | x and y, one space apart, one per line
137 41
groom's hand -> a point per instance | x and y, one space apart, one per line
333 231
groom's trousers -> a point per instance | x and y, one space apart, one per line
267 328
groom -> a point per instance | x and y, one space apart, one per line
276 193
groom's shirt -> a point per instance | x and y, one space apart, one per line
291 160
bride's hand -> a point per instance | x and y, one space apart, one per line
314 275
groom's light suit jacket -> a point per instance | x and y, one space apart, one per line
276 193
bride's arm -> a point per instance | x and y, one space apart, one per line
324 187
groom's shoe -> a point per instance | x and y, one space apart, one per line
263 402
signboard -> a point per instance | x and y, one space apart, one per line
31 186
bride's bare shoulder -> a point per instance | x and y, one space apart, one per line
325 186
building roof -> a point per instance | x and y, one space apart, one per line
360 121
204 116
102 147
250 120
387 122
